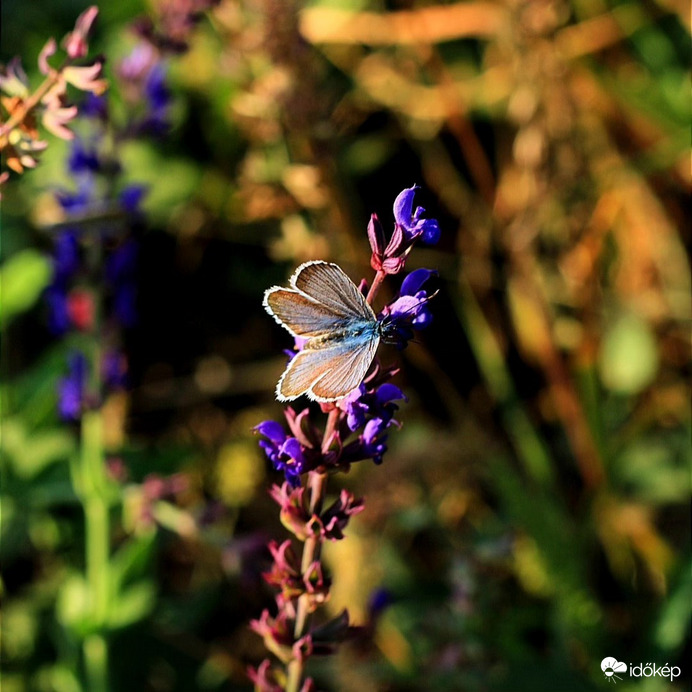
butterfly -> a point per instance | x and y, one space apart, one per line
341 332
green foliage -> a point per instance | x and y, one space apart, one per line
22 279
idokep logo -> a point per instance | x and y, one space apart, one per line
611 667
614 670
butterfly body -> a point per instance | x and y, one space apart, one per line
323 306
357 331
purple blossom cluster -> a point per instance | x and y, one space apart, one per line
93 288
357 429
367 412
87 294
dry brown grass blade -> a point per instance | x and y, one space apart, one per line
592 35
426 25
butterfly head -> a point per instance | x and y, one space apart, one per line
409 312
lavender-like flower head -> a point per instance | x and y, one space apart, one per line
356 429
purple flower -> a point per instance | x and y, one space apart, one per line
120 270
94 106
414 226
76 202
131 196
82 159
285 452
114 370
122 262
372 441
390 256
158 98
379 601
409 311
124 304
412 303
363 404
65 255
58 314
155 88
134 67
71 388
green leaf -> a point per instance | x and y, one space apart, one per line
628 361
132 605
72 608
657 470
673 621
132 559
28 455
22 279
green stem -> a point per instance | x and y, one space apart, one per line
94 487
96 662
97 547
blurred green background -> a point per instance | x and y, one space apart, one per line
532 516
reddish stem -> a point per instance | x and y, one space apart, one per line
375 287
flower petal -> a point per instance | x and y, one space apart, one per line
413 281
403 206
273 430
47 51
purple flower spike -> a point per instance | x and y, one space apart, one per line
356 429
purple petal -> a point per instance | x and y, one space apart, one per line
372 429
430 231
403 206
405 306
292 448
273 430
131 196
65 255
413 282
389 392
